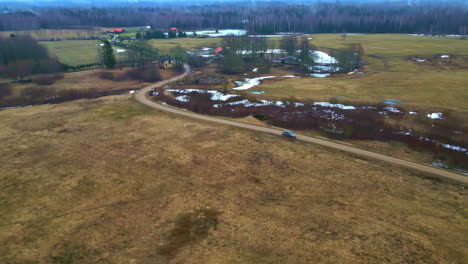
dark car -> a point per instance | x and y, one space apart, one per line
288 134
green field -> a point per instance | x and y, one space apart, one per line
74 52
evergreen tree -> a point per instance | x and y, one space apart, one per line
172 34
107 55
138 35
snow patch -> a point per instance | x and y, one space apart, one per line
323 58
320 75
340 106
250 82
182 98
392 109
447 146
435 116
222 32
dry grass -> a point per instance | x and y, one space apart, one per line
87 80
110 181
441 83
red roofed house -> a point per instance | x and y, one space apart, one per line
174 29
218 50
117 30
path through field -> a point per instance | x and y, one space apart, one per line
141 97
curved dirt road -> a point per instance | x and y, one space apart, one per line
140 96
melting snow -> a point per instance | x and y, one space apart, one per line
445 56
249 83
320 75
323 58
255 70
454 148
340 106
215 95
392 109
120 50
435 116
132 91
222 32
13 107
182 98
413 113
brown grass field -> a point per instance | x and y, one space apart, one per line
87 80
436 83
111 181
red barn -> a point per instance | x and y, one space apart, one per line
117 30
218 50
174 29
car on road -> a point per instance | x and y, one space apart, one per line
288 134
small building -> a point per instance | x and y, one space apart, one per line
166 61
117 30
218 51
173 29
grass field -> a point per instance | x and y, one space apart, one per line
115 182
58 33
441 83
74 52
165 45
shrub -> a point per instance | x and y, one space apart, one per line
260 117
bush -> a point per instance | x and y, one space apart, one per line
260 117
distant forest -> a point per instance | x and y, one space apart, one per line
260 19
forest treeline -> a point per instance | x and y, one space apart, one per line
261 19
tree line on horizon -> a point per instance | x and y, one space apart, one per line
261 19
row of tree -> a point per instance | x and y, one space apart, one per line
434 18
158 34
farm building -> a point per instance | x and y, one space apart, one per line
166 61
218 51
117 30
173 29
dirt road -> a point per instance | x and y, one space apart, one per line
140 96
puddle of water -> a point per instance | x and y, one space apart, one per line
445 166
392 101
